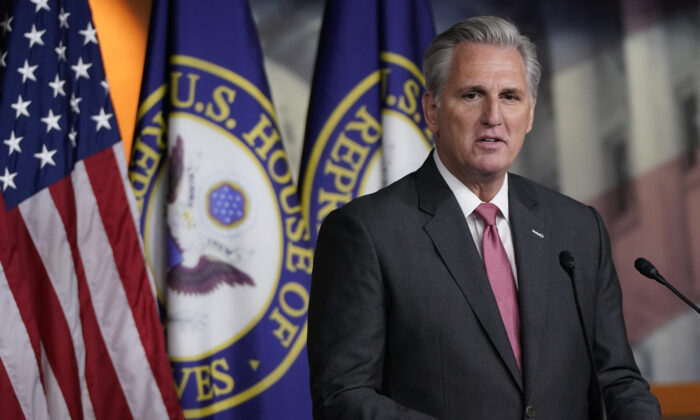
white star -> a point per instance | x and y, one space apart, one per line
57 86
8 180
74 102
63 19
21 107
89 34
105 85
72 136
81 69
40 4
27 71
61 51
13 143
51 121
6 24
46 156
102 120
34 36
3 63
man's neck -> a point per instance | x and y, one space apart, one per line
485 188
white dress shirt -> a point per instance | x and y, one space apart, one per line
468 202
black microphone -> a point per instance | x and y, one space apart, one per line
567 262
648 270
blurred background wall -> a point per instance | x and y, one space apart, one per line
617 126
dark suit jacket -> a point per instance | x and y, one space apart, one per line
403 323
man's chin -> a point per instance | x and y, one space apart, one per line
491 170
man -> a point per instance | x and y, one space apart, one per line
442 296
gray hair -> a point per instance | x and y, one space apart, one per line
490 30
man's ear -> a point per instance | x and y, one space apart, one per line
430 112
532 116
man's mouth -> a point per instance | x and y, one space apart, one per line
491 139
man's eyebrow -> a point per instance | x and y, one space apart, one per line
482 90
472 88
512 90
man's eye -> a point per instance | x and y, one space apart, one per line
510 97
470 95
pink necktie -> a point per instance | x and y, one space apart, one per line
500 276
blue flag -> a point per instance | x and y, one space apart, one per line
220 217
365 127
51 95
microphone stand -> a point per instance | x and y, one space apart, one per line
566 260
647 269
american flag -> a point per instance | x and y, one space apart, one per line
79 330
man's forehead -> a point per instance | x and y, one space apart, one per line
476 58
469 49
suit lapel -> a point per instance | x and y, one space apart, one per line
450 234
531 241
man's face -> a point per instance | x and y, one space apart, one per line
483 114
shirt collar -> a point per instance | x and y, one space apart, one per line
468 201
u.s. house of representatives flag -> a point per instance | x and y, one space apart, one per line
365 126
220 216
79 330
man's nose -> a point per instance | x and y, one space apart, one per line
491 113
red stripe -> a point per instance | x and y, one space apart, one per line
39 305
123 236
106 394
661 224
29 324
8 400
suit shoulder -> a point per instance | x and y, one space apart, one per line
386 201
550 200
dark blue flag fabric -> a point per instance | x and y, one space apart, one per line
365 126
220 216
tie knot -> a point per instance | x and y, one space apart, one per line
487 212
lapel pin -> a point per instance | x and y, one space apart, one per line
537 233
